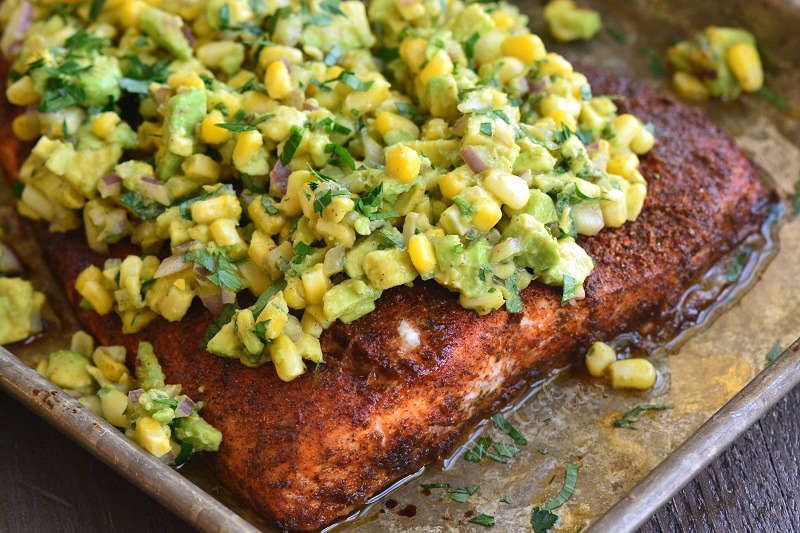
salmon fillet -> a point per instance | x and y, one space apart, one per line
403 385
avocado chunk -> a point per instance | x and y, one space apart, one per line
441 97
540 206
539 248
101 82
184 112
349 300
469 21
166 30
349 30
572 260
68 370
148 369
388 268
464 269
200 434
20 308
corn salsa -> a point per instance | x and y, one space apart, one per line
312 154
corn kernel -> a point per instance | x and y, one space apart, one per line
224 232
386 122
487 215
509 189
402 162
200 167
26 127
422 256
210 133
276 312
623 165
286 357
625 129
599 358
277 80
338 208
555 65
247 144
503 20
744 61
643 141
131 12
689 87
152 436
185 78
104 123
315 284
454 182
223 206
439 65
295 293
632 374
562 118
634 200
271 54
528 48
614 208
412 50
257 102
21 92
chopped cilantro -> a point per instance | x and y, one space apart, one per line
410 111
469 47
215 260
464 206
17 189
334 55
300 252
461 495
260 330
542 520
142 208
774 352
341 155
266 296
96 8
244 123
483 520
479 451
629 418
773 98
617 35
737 266
224 317
506 427
290 147
486 128
570 285
513 301
323 199
268 205
506 450
428 486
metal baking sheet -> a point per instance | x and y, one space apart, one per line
716 376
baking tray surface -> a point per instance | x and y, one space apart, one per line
569 418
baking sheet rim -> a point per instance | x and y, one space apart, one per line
202 510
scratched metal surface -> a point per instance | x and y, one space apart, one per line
697 377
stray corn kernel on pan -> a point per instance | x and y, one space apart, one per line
288 165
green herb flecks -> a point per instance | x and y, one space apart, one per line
461 495
479 451
469 47
464 206
543 518
617 35
291 145
774 352
215 260
483 520
629 418
429 486
224 317
145 210
266 296
773 98
341 156
323 199
736 268
506 427
570 286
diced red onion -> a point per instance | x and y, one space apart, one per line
460 126
154 190
109 185
9 263
295 99
134 395
185 246
199 270
504 133
309 107
213 303
171 265
228 296
473 160
185 408
536 86
18 27
162 94
279 176
187 32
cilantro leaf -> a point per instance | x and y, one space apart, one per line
224 317
514 301
464 206
291 144
461 495
629 418
479 451
341 155
542 520
144 210
570 285
483 520
96 8
266 296
506 427
215 260
774 352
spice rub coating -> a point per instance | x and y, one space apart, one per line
403 385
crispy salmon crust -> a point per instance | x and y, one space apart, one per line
307 452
